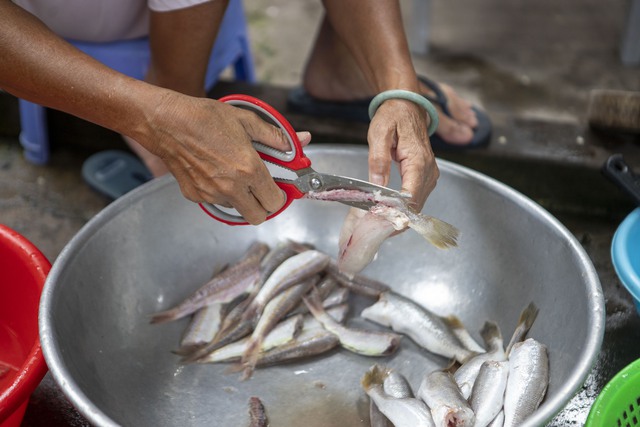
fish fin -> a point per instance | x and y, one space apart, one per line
452 366
313 301
250 357
374 377
439 233
490 331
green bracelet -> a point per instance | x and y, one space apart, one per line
409 96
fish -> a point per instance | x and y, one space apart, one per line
357 283
223 287
326 287
466 374
498 421
425 328
360 341
257 413
362 234
362 243
275 309
396 385
487 396
528 381
310 342
202 328
281 334
403 411
290 272
442 395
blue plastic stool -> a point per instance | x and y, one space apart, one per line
131 57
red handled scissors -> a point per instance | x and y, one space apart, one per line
295 162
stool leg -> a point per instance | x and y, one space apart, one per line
34 135
243 67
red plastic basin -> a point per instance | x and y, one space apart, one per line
23 270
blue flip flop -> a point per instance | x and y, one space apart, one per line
114 173
299 100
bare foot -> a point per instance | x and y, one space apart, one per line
154 163
331 74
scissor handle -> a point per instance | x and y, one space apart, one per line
293 159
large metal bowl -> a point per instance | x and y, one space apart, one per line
151 248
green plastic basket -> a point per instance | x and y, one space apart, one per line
618 405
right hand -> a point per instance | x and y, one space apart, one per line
206 144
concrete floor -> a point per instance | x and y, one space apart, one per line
529 64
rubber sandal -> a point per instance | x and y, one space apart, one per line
300 101
114 173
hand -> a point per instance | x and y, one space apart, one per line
207 147
398 131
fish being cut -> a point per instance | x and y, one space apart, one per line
363 233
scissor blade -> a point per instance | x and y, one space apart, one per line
349 191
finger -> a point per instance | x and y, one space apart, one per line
381 142
304 137
249 207
267 192
264 132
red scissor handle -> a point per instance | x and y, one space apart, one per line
293 159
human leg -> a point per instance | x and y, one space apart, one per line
332 74
181 42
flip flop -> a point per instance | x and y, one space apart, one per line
300 101
114 173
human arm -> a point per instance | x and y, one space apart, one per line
207 144
374 35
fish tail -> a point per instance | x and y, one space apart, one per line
374 377
525 322
490 331
439 233
167 315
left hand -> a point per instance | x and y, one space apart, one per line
398 132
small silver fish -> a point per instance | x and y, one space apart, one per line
290 272
357 283
460 331
528 380
361 341
487 396
396 385
281 334
223 287
401 411
309 343
276 309
441 394
424 327
467 373
202 328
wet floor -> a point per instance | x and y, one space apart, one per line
529 64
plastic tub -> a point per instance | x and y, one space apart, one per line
619 402
625 254
23 270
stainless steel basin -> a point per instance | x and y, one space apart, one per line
152 247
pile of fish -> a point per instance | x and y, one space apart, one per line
288 302
492 387
275 305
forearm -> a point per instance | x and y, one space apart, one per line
374 34
40 67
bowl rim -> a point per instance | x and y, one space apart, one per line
620 254
34 367
549 408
